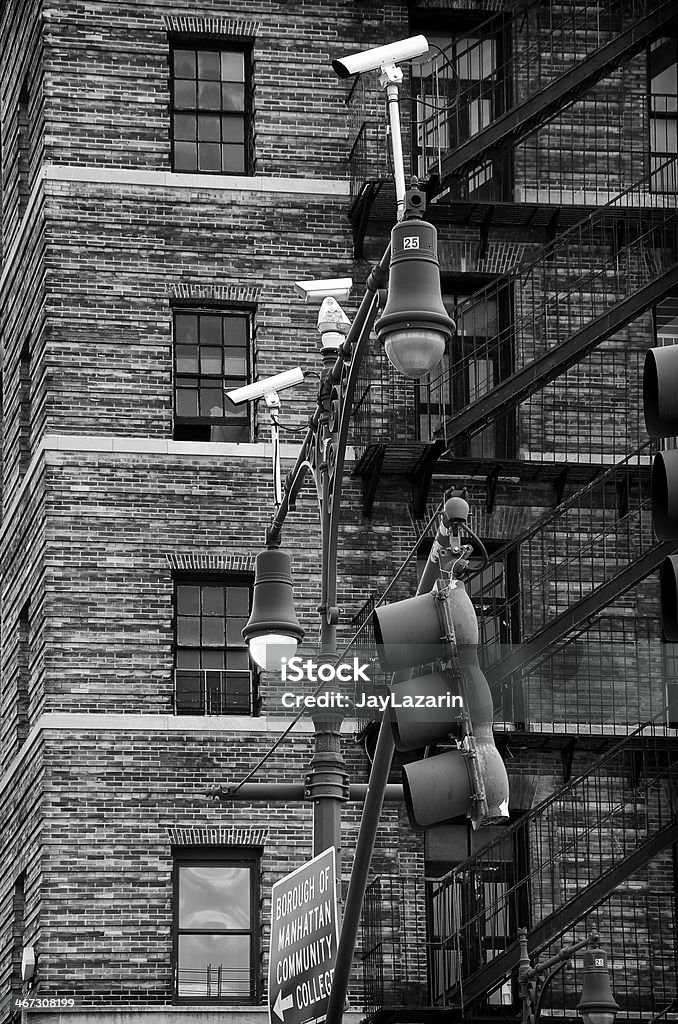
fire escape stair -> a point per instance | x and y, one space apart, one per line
515 389
540 644
631 796
539 108
554 926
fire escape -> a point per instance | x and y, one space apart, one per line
569 249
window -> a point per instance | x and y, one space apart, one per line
212 357
210 109
22 679
212 670
216 925
479 357
457 94
663 73
18 924
486 907
24 146
24 408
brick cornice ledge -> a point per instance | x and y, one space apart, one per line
218 835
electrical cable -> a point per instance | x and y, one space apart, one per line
288 729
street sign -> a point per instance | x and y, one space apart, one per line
304 937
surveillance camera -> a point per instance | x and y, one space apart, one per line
315 291
371 60
27 963
261 388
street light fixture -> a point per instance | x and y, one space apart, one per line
597 1005
272 631
414 327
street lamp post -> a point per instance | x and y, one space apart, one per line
271 636
597 1005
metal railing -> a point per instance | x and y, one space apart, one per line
520 323
215 982
215 692
566 849
525 317
511 57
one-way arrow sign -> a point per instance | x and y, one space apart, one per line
283 1004
304 937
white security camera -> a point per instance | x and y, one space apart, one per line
267 386
315 291
371 60
27 963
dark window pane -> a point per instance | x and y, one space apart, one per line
211 401
213 659
184 64
238 600
189 693
210 329
232 96
232 159
184 94
188 658
188 599
235 431
210 360
237 660
236 331
212 600
233 128
209 128
184 127
187 401
235 363
232 67
208 96
186 326
231 410
188 631
187 358
185 156
214 897
209 64
213 632
201 956
209 158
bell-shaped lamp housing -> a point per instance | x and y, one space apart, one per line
597 1004
272 631
414 327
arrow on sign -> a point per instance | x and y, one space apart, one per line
281 1005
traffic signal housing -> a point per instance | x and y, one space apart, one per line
441 628
660 406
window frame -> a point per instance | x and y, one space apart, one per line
491 179
243 580
214 45
192 856
194 428
660 181
499 439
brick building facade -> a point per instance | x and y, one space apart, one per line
168 172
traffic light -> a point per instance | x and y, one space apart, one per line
441 628
660 405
